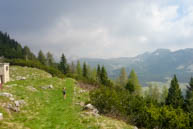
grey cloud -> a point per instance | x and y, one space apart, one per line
90 28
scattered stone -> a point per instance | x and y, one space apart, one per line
20 78
47 87
13 108
18 103
82 91
89 107
31 88
50 86
135 127
1 116
23 78
92 110
6 94
91 113
12 99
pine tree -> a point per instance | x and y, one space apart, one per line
72 68
63 64
50 59
189 97
174 97
26 52
123 77
78 68
85 70
133 83
41 57
104 76
94 74
98 73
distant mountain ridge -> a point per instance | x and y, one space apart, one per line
151 66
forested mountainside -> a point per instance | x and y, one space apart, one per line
155 66
9 48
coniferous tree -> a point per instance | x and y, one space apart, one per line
123 77
85 70
78 68
174 97
104 76
26 52
50 59
94 74
189 97
63 64
98 73
41 57
72 68
133 83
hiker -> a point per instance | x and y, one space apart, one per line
64 92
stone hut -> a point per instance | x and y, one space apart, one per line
4 73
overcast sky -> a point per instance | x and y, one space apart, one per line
99 28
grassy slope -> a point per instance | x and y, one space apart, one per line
46 109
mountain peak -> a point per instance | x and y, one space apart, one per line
162 50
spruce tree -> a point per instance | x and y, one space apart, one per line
41 57
72 68
63 64
189 97
26 52
133 83
174 97
50 59
78 68
85 70
99 73
123 77
104 76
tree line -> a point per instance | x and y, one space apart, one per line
146 109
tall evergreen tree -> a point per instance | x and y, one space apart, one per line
174 97
123 77
72 68
98 73
94 74
50 59
78 68
85 70
189 97
41 57
27 54
63 64
104 76
133 83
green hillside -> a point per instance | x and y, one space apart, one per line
44 108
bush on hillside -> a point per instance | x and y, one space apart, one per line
138 110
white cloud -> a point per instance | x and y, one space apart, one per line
116 29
